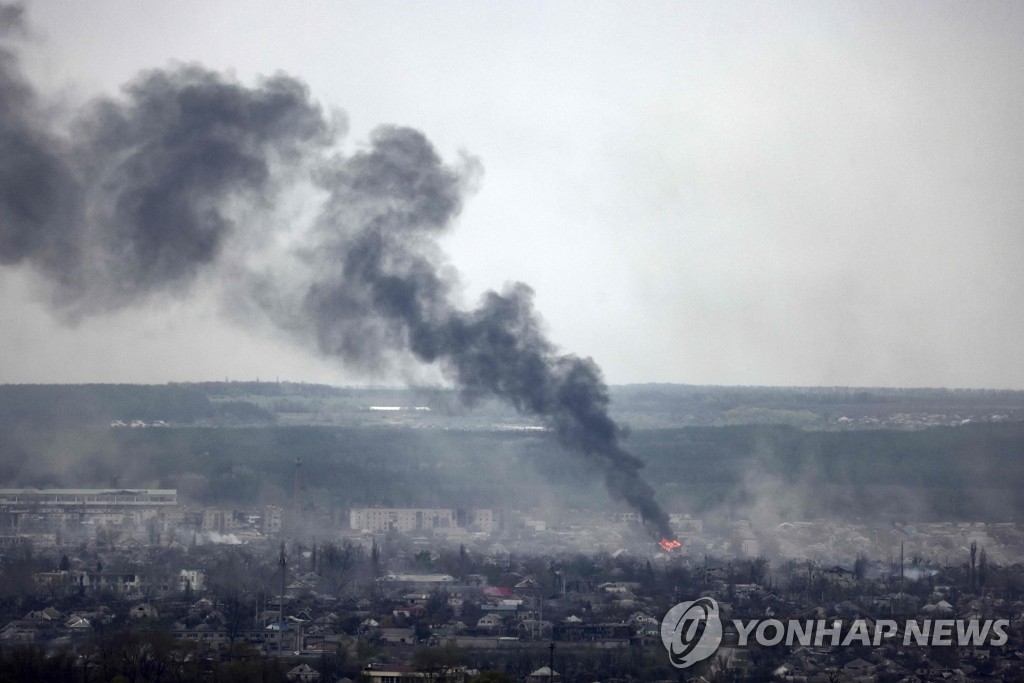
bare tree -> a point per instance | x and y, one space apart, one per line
336 564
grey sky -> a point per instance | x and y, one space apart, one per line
714 193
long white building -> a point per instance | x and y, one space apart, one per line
407 520
50 509
89 498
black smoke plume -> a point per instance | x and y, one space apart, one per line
141 195
133 201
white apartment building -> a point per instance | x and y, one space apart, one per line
408 520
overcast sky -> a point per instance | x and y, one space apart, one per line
794 193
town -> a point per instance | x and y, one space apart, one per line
101 583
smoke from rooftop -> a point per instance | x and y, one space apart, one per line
151 193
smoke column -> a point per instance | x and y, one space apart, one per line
141 195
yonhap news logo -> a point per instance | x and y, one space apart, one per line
691 632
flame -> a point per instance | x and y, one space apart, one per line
669 544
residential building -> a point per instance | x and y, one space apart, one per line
408 520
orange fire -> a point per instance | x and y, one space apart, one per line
669 544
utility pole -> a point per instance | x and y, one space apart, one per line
540 611
283 564
551 663
901 571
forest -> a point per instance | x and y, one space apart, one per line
237 443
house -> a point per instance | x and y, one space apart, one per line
941 608
50 614
17 632
303 672
503 607
593 632
489 622
783 672
404 673
527 584
543 675
121 583
534 627
398 636
202 605
206 637
838 575
300 588
409 612
143 611
858 668
191 580
644 624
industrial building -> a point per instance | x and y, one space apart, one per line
52 509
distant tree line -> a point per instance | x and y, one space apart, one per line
80 405
972 472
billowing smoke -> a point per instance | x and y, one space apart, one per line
134 200
142 195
